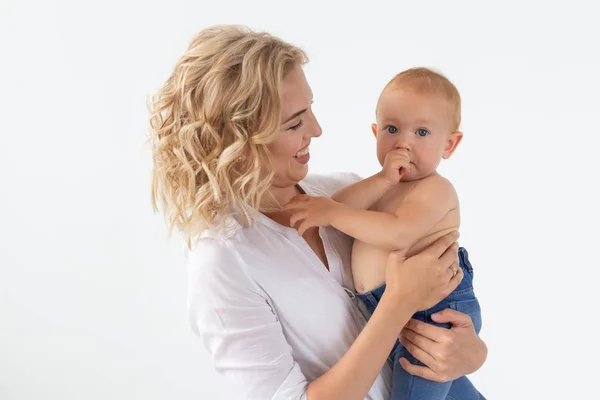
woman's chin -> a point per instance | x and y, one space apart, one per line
298 172
291 177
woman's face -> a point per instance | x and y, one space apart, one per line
298 126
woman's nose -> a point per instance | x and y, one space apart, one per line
315 128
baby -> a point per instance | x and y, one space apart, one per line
406 206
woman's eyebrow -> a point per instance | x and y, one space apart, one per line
294 115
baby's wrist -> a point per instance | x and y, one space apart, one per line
382 176
335 213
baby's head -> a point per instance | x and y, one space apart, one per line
418 110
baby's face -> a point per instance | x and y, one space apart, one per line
419 123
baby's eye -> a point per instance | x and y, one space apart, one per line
392 129
422 132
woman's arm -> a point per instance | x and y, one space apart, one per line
239 328
413 284
354 374
247 343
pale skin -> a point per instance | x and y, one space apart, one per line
407 205
414 283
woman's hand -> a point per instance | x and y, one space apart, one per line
447 353
423 280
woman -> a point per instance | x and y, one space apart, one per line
231 130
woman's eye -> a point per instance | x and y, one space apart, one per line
422 132
392 129
297 126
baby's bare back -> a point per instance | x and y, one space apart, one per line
369 261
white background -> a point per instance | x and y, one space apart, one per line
93 293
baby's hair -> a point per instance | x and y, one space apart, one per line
427 81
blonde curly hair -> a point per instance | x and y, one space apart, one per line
211 123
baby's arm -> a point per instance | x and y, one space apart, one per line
363 194
423 207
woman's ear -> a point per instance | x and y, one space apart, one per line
452 143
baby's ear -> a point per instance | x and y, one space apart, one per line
452 143
374 129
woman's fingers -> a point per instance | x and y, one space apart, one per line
418 345
455 280
417 370
456 318
417 352
450 256
431 332
440 247
452 270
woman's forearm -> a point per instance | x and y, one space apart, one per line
354 374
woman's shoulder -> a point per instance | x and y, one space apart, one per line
328 184
213 261
224 257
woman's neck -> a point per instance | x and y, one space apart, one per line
277 197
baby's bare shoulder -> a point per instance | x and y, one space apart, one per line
434 186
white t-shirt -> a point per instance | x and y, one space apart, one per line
268 311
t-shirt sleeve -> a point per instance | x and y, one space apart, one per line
234 320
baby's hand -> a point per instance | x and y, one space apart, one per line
308 211
396 164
